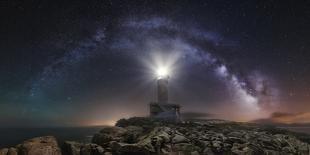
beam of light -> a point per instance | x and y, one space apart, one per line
162 72
161 62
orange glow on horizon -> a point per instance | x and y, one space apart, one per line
293 118
101 123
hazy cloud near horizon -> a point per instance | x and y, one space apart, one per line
287 118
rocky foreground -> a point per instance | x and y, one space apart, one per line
146 136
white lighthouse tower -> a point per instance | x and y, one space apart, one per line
162 109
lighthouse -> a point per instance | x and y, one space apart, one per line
162 108
162 90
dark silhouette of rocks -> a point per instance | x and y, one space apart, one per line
147 136
75 148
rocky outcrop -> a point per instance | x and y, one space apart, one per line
208 137
4 151
153 137
9 151
48 145
36 146
108 134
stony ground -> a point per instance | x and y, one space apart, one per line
146 136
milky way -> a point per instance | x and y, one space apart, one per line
140 38
91 63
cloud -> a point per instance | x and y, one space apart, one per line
291 117
286 118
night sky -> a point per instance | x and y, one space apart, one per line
74 63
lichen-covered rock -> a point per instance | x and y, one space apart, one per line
46 145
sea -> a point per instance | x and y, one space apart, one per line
12 136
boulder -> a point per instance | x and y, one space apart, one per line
4 151
113 131
72 148
290 145
248 149
195 153
179 139
91 149
155 139
217 145
12 151
232 140
108 134
272 152
238 148
202 144
153 142
185 147
132 134
75 148
256 149
207 151
46 145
